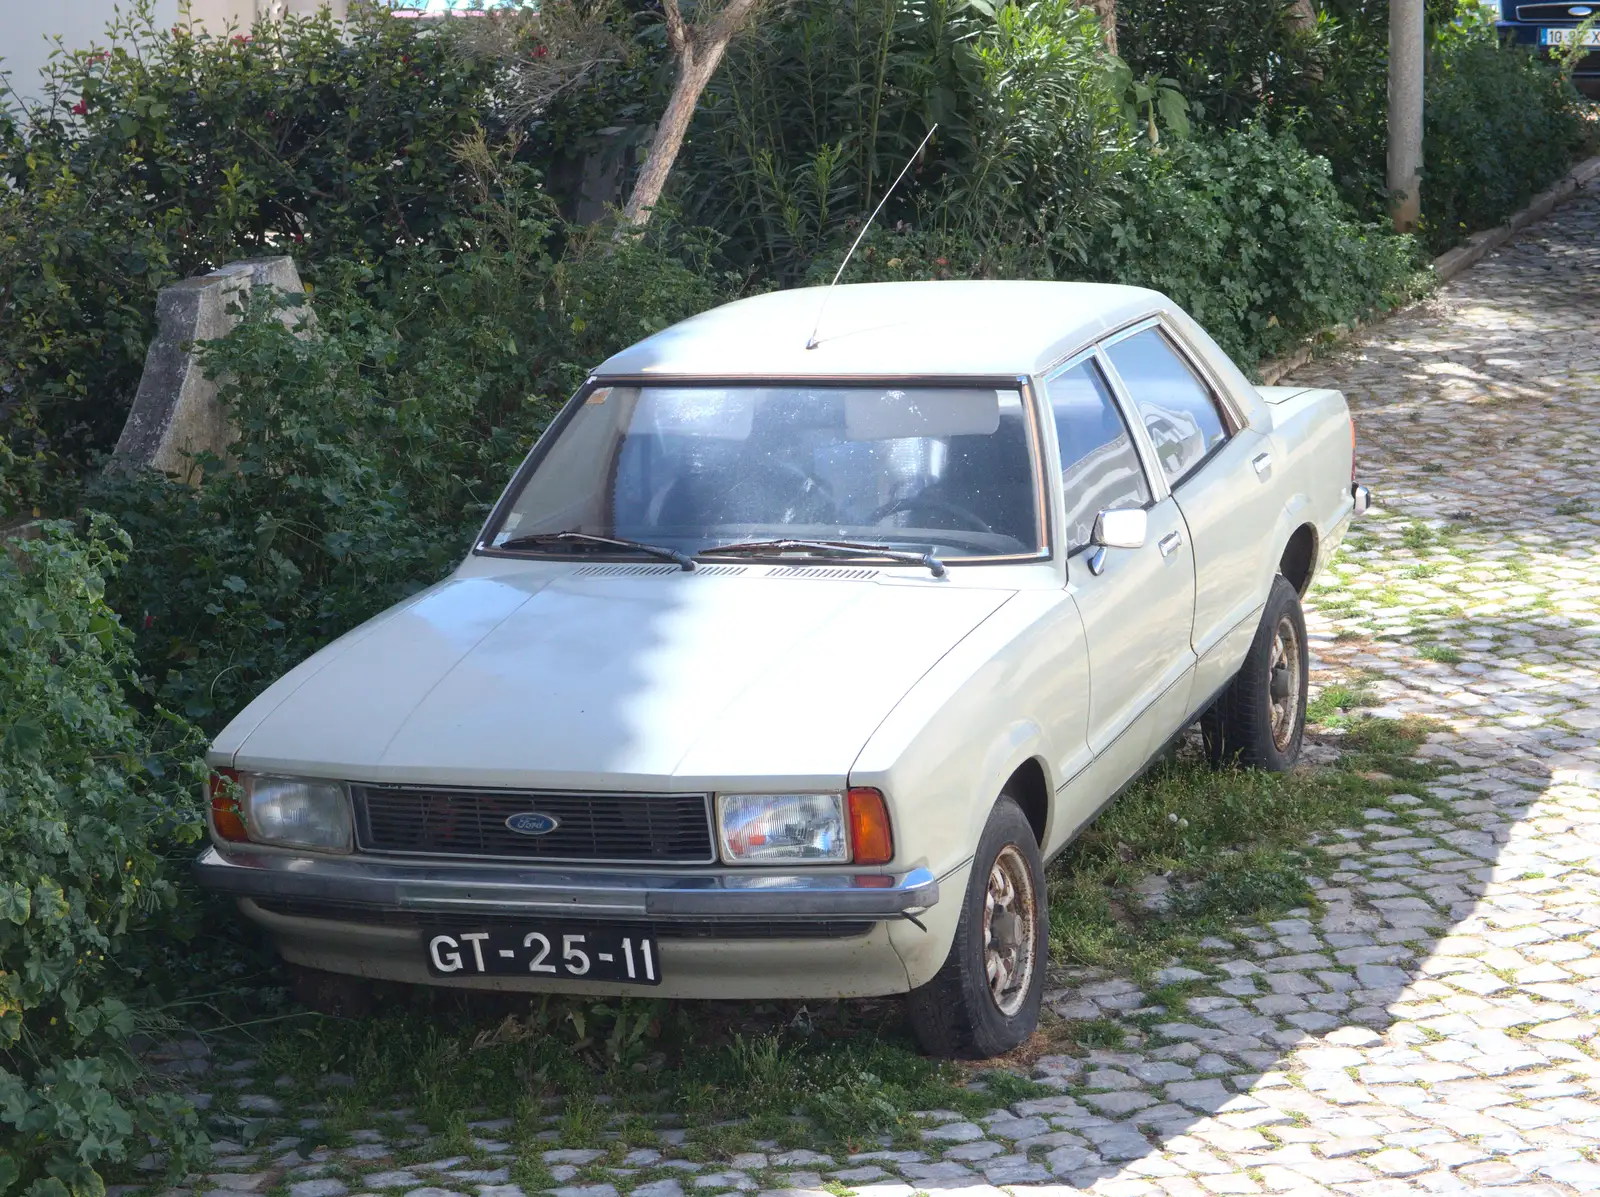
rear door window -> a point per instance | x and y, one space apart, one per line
1180 412
1100 468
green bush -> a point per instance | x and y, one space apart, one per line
1233 60
92 795
371 450
1248 233
332 142
814 116
1500 125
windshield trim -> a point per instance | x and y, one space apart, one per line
1023 383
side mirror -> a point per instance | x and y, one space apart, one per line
1125 528
1122 529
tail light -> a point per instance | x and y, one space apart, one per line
226 817
1352 452
871 841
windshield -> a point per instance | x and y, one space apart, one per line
947 470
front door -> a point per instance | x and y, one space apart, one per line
1138 610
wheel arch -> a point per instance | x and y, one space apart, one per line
1029 786
1298 561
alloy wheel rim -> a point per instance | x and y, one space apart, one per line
1283 682
1010 922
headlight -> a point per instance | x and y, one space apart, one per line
783 828
295 812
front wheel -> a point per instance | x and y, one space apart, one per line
985 1000
1260 720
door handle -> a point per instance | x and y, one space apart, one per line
1262 463
1169 544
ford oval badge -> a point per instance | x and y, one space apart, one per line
1581 11
531 822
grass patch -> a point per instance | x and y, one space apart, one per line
1417 535
1236 851
735 1073
1573 507
1439 652
1105 1033
1336 701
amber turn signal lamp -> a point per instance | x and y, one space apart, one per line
870 838
225 807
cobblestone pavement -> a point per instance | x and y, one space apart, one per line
1431 1028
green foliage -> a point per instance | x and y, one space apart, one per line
813 118
1500 125
1247 232
138 167
92 795
1229 58
372 445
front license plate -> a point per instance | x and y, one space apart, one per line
1565 37
555 952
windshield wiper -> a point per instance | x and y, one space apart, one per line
535 540
853 548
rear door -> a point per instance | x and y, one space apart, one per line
1219 470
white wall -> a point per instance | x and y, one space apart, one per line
26 26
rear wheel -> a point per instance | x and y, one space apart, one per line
985 1000
1260 719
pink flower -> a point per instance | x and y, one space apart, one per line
81 108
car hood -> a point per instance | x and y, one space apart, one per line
589 680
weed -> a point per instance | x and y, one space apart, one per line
1008 1088
1573 507
1098 1032
1334 701
1439 652
1417 535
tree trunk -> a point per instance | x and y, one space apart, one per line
699 51
1106 10
1406 66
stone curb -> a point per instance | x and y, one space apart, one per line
1452 262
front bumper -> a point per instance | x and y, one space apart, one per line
499 889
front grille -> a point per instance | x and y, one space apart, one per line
661 929
624 828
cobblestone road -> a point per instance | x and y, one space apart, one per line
1432 1028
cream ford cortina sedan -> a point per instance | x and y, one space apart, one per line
781 671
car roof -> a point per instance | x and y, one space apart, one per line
979 327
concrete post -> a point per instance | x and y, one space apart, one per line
176 413
1405 113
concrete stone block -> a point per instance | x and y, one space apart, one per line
176 414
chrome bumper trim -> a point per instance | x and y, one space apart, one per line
1362 498
485 889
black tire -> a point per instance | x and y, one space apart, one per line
1260 719
957 1015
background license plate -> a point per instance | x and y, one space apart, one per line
556 953
1564 37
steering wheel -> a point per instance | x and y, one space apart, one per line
967 519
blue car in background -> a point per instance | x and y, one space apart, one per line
1552 26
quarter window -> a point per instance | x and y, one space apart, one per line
1100 468
1179 410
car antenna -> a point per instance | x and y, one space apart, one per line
812 342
